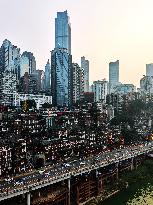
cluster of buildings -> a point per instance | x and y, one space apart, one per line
63 81
146 83
31 139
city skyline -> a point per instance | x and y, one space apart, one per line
107 31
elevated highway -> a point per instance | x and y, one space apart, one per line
60 172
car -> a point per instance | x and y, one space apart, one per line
82 163
41 171
8 179
67 165
18 182
47 173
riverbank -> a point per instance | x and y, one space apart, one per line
142 175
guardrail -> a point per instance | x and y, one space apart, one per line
38 185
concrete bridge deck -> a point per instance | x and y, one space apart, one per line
58 173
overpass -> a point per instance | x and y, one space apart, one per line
58 173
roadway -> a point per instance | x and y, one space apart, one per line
61 171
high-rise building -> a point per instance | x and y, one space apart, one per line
30 83
146 85
43 86
85 67
10 58
28 63
63 31
113 75
34 83
100 90
124 88
9 88
2 59
9 71
38 73
47 77
61 77
149 69
24 83
2 67
24 63
77 82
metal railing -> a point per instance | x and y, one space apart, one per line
69 173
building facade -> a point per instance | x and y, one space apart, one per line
77 82
47 77
25 68
63 31
38 75
30 83
2 59
28 63
5 159
61 77
149 69
85 67
12 57
124 88
146 85
100 90
9 87
113 75
9 71
39 99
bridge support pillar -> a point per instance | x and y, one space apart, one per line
136 164
77 195
96 173
39 194
132 167
28 198
99 185
69 194
117 170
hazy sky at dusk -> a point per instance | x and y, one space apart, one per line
102 31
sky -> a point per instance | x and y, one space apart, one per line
102 31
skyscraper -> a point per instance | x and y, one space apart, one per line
30 83
77 82
2 59
38 73
100 90
113 75
47 77
24 63
63 31
9 71
28 63
61 77
146 85
10 58
149 69
85 67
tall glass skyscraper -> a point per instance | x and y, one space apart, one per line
61 77
63 31
113 75
85 67
149 69
29 62
47 76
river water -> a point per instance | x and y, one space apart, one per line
137 194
